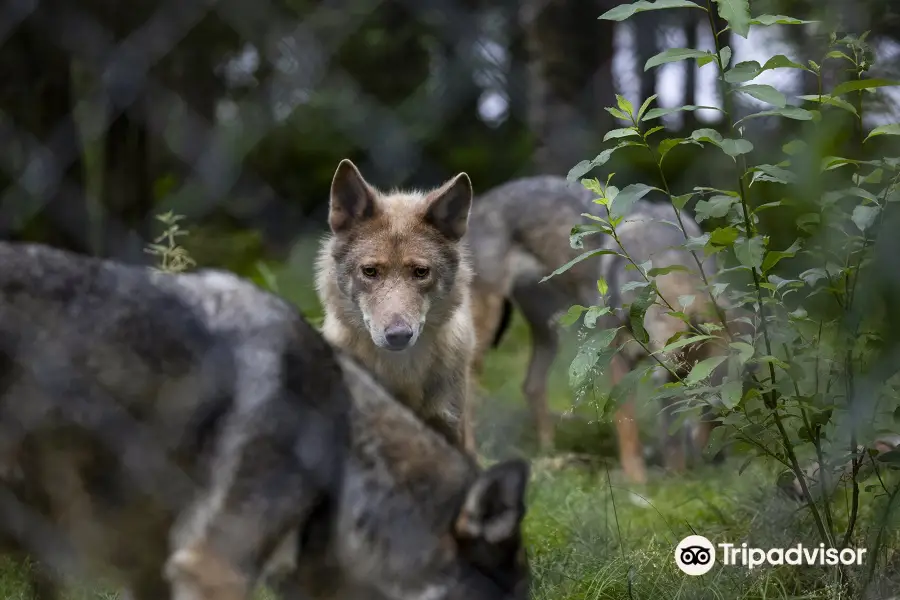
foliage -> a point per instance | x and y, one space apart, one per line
172 257
801 350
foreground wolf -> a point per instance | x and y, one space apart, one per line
191 434
393 279
519 233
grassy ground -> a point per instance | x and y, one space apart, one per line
589 540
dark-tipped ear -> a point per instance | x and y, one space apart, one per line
495 504
448 207
352 198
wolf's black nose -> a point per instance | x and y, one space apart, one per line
398 336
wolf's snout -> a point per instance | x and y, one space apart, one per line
398 335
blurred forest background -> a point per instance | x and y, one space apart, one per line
235 113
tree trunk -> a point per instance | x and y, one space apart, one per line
646 30
36 100
690 66
570 64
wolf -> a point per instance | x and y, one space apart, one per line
520 232
393 278
823 485
192 436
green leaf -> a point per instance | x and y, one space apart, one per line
661 112
731 147
794 147
624 11
594 313
772 173
683 342
636 312
833 162
657 271
734 148
791 112
673 55
731 392
863 84
602 286
577 260
743 71
750 252
581 231
723 236
839 55
623 202
585 166
703 369
725 55
686 300
890 129
645 106
588 355
620 133
696 243
747 70
864 216
775 361
737 13
714 208
767 20
679 202
624 105
745 351
772 258
617 113
829 100
780 61
572 315
766 93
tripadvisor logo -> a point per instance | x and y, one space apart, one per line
696 555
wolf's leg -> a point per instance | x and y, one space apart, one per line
701 435
630 450
543 352
539 307
673 442
487 313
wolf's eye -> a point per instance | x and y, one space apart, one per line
421 272
370 272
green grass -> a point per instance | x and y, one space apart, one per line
587 537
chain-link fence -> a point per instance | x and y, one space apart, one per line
235 113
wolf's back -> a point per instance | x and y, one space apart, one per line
530 219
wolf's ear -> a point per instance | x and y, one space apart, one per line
448 207
495 504
352 198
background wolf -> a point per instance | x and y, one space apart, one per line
178 429
519 233
393 280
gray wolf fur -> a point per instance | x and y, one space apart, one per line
393 278
191 435
519 233
821 486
